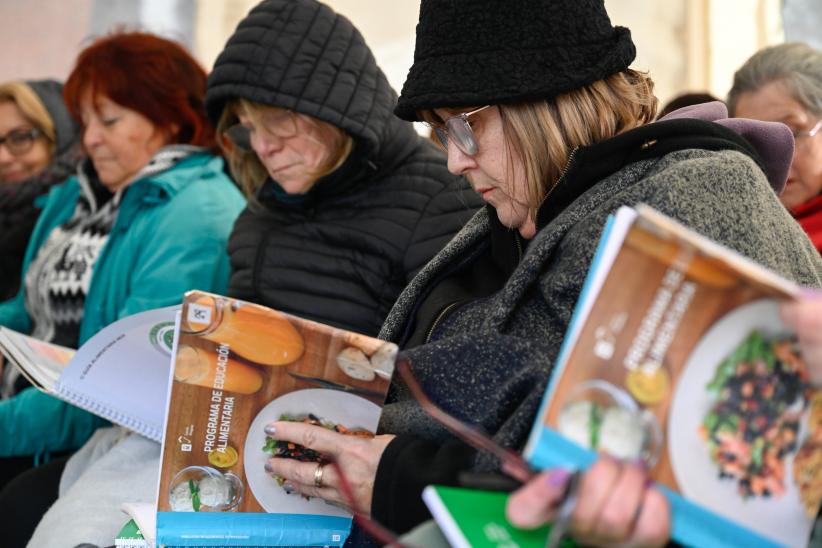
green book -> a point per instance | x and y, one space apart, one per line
473 518
130 536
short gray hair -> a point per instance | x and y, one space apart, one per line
796 64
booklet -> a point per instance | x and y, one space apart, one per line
120 374
474 518
238 367
676 355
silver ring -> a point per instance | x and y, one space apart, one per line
318 476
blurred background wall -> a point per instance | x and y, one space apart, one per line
687 45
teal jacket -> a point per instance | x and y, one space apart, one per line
170 236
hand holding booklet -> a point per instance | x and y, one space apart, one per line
676 355
238 367
120 374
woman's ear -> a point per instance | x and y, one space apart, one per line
173 133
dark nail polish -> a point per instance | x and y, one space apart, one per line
270 429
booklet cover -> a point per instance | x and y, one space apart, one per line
238 367
474 518
676 355
120 374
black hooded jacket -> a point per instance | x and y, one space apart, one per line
341 253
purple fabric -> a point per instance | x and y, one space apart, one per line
772 140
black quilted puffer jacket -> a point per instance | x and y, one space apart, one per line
343 252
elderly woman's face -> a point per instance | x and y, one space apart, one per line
773 102
23 153
495 174
290 146
118 140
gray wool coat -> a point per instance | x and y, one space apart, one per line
491 360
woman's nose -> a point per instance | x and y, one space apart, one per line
458 161
91 136
6 157
264 145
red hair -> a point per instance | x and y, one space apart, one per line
151 75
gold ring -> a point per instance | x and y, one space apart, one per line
318 476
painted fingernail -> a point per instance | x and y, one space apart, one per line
558 477
811 293
269 468
649 483
641 464
270 429
288 488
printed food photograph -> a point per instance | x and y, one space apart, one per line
744 423
333 409
239 367
760 391
690 368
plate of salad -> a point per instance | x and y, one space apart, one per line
736 419
333 409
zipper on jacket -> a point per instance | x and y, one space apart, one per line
566 168
519 248
440 317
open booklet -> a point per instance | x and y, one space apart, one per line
238 367
120 374
676 354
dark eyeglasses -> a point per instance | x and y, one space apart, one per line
459 129
19 141
280 125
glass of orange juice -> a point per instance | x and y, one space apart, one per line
257 334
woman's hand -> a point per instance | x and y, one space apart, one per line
615 505
804 315
357 457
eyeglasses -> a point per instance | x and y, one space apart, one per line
278 124
19 141
458 129
801 134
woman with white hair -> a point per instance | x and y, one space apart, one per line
784 84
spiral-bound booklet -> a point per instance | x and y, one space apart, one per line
120 374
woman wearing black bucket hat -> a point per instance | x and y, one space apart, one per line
537 106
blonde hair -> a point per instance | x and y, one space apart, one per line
246 167
31 107
543 134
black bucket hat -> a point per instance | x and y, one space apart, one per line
479 52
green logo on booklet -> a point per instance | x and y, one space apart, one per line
162 337
130 536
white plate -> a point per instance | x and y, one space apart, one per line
696 473
333 405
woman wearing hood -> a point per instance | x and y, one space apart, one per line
38 148
346 202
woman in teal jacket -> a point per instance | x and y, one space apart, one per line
146 219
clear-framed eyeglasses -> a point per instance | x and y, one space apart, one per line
458 128
800 135
19 141
280 124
